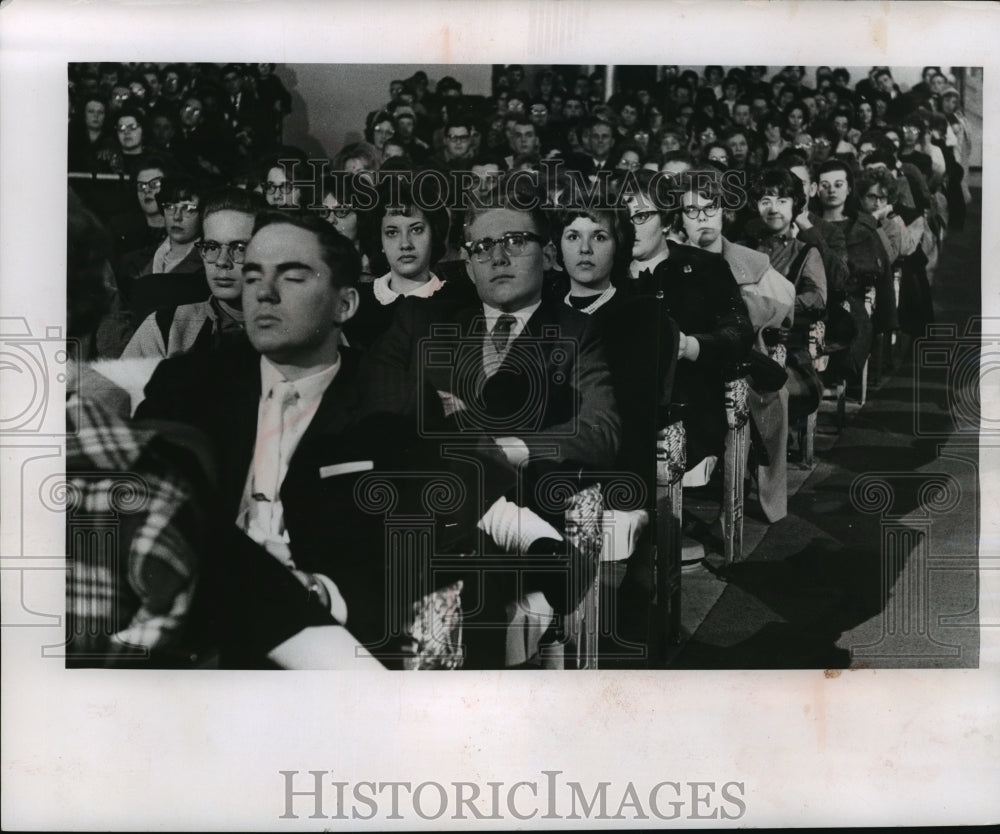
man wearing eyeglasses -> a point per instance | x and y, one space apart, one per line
457 151
521 378
227 224
511 339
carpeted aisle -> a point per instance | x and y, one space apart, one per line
876 564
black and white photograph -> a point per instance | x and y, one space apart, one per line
650 400
712 430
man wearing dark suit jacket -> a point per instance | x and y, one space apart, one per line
297 452
518 373
523 369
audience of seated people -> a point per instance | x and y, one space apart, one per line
538 277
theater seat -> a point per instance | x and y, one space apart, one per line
536 635
670 465
735 465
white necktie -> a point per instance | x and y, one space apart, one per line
270 451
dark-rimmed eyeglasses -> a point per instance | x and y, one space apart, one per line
182 208
128 128
694 212
150 187
275 187
340 212
210 250
514 245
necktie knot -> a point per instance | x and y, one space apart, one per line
285 394
501 332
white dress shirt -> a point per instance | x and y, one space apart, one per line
491 358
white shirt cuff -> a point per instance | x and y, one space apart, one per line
338 606
515 528
515 449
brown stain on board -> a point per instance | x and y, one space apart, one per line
831 673
446 44
879 33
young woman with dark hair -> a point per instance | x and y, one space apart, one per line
407 232
594 248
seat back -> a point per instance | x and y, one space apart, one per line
671 461
735 465
584 531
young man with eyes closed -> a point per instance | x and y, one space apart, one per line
227 223
282 413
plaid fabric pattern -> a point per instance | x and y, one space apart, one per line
130 542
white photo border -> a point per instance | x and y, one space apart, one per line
88 749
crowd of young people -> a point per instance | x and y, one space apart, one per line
673 232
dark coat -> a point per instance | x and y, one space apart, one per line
640 342
698 291
337 524
553 390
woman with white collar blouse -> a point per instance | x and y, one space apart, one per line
408 240
593 247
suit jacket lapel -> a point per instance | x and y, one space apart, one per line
338 408
469 356
238 401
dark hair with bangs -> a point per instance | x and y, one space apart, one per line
779 182
601 210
